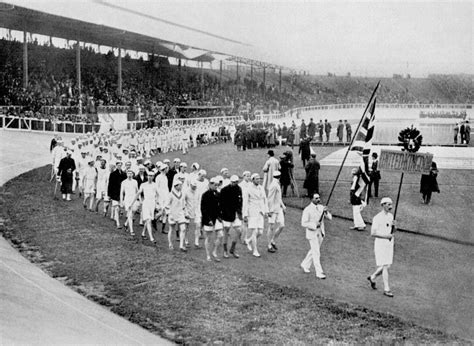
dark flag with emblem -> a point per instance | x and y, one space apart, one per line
363 144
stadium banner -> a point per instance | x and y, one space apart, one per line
114 121
403 161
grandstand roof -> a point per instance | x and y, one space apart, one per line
109 24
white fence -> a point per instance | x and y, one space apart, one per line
44 125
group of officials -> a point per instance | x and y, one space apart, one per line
224 209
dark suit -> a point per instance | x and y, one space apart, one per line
115 182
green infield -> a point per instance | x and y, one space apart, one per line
186 299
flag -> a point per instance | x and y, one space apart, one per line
363 144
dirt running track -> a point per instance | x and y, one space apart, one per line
37 309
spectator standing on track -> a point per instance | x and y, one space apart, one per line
429 184
348 131
305 150
311 129
383 225
286 166
456 133
375 176
340 131
327 129
311 182
313 221
302 129
321 130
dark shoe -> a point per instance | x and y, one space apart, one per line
272 250
372 283
182 249
321 277
388 294
197 246
216 259
274 246
235 254
352 227
360 229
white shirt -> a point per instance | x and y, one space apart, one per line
310 219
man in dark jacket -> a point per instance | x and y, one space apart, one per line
304 150
311 183
286 166
210 213
65 169
231 213
311 129
113 191
327 129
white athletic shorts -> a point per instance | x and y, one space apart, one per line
278 218
256 222
236 223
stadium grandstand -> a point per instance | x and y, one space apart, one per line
69 69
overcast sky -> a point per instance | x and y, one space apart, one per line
365 38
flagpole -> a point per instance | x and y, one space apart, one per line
352 141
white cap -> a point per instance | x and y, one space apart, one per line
246 173
163 166
202 172
224 170
177 182
183 164
214 180
166 161
220 178
141 167
195 165
234 178
147 162
177 160
255 175
385 200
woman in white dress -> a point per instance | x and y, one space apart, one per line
148 194
89 183
128 197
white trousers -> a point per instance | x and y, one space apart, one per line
314 255
358 220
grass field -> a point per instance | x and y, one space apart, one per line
186 299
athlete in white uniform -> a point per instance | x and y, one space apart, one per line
128 192
148 193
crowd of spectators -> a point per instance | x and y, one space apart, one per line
153 87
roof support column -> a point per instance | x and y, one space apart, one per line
220 74
25 60
237 69
180 77
251 77
78 74
119 72
264 85
279 83
202 79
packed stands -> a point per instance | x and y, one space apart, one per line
153 85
